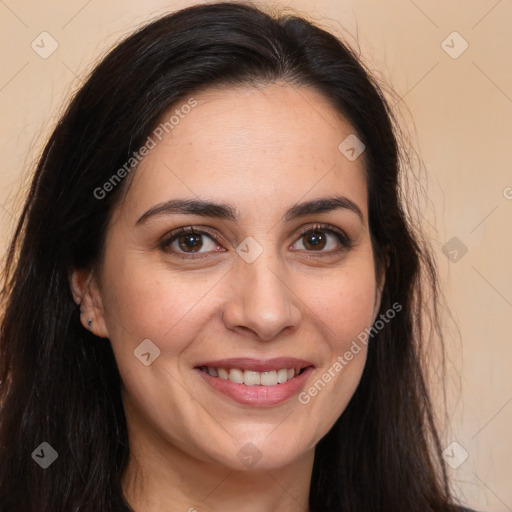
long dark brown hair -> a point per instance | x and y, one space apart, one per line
59 385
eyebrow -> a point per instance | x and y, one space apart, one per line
225 211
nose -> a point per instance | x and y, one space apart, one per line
262 300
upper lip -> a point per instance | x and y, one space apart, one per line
257 365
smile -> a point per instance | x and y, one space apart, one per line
262 387
252 378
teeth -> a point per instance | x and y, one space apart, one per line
236 376
251 378
282 376
269 378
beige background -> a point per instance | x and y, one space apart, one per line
462 112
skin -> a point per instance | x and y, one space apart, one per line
262 150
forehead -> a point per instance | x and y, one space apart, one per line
277 143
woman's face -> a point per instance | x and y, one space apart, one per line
251 170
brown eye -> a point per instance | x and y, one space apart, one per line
322 239
315 240
190 242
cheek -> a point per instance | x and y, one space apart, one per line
344 309
345 302
145 302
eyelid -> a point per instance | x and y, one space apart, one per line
193 230
172 235
344 239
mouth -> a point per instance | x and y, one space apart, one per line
253 378
256 382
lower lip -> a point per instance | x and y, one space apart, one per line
257 395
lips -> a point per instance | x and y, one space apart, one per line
256 381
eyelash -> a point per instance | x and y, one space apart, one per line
342 237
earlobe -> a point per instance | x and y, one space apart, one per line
87 296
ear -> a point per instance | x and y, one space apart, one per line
86 294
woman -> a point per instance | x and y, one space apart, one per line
213 299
